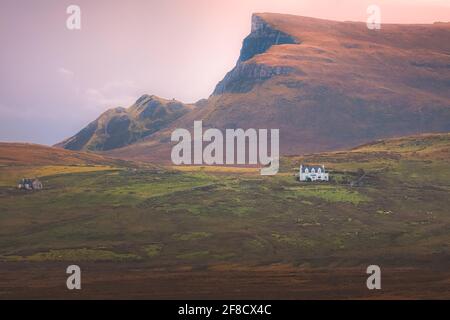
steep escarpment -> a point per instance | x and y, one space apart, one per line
245 75
120 127
338 84
261 38
326 85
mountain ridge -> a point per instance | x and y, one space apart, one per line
118 127
326 85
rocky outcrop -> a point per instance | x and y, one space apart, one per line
246 74
261 38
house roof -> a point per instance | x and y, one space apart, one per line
303 167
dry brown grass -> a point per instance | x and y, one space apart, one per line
20 154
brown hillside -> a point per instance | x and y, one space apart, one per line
25 154
425 147
326 85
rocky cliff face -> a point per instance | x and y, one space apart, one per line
261 38
120 127
247 74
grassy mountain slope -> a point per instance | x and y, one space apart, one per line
120 127
326 85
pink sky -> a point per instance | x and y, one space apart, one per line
54 81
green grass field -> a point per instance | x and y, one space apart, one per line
208 217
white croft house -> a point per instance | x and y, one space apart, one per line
313 173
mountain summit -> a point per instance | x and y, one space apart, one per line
325 84
120 127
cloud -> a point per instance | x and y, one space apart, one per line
65 72
113 94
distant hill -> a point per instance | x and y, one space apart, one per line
120 127
24 154
326 85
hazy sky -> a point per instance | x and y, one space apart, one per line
53 81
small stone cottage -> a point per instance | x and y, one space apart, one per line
30 184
